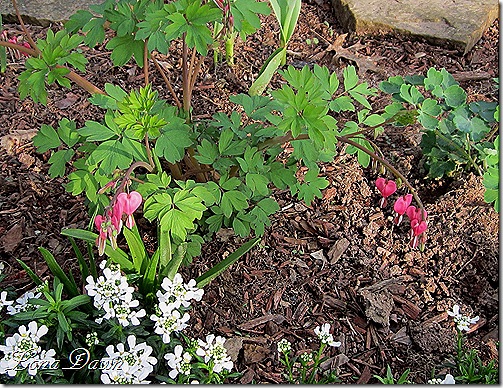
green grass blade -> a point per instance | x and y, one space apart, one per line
71 287
268 70
3 53
136 248
30 273
211 274
84 268
117 255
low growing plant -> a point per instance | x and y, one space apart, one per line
191 178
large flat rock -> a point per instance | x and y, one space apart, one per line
460 23
43 12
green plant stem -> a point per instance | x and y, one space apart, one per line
229 49
167 82
454 145
149 153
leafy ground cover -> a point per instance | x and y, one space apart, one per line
338 260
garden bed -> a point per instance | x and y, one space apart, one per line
339 260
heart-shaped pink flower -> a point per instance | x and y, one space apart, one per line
418 227
129 203
386 188
415 213
402 204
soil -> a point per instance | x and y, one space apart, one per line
340 260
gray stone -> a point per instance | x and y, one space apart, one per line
43 12
458 22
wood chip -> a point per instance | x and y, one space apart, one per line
335 253
277 318
365 377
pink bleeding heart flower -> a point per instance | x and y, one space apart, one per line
418 227
415 213
99 221
386 188
108 227
401 205
129 202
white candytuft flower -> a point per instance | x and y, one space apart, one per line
21 351
130 366
449 379
111 292
323 333
213 350
22 304
178 361
284 346
463 322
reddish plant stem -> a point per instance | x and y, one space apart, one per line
81 81
25 30
145 62
167 82
288 137
393 170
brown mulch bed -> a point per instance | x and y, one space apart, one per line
340 260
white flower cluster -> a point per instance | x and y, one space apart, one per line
284 346
449 379
323 333
127 366
463 322
22 352
179 362
112 293
215 352
21 303
177 294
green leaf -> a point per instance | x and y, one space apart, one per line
245 13
411 94
267 71
58 162
211 274
172 144
225 140
94 131
342 103
208 152
123 48
68 133
350 78
33 276
454 96
70 286
46 139
258 184
136 248
233 200
110 154
117 255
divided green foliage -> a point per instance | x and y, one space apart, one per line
456 136
56 50
245 13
